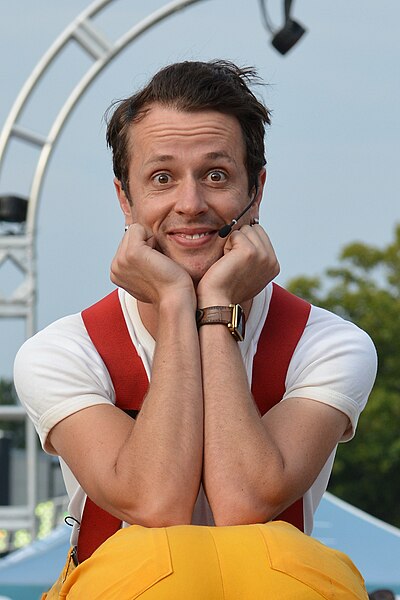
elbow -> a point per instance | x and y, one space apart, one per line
155 513
152 504
230 515
247 510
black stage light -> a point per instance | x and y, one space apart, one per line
13 209
288 36
285 38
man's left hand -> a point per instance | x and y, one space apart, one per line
248 265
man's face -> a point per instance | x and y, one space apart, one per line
187 178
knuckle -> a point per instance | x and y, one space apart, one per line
250 252
113 277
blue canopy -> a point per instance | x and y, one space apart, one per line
373 546
25 574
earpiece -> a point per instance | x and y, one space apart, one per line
226 229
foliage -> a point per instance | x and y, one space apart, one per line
365 289
8 396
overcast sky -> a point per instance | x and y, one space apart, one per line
333 148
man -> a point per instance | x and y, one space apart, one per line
188 157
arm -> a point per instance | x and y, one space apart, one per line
253 467
148 471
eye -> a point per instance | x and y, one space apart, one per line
216 176
162 178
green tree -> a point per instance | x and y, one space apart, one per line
365 289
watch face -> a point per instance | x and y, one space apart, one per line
238 323
241 325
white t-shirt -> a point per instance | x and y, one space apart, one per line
58 372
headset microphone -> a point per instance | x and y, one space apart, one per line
227 228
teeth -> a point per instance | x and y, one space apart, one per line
195 236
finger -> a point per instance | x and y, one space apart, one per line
255 239
257 235
246 235
137 234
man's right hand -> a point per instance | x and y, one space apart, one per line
144 272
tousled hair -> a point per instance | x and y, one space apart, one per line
194 86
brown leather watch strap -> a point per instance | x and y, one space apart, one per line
214 314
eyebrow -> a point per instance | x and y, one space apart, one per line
217 155
159 158
210 155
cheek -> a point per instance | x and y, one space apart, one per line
150 215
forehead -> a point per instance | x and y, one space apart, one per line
165 128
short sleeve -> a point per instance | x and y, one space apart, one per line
335 362
58 372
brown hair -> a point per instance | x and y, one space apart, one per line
192 86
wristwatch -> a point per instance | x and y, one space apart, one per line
232 316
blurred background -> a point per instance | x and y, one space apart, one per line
331 204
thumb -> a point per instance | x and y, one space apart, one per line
232 241
228 244
141 233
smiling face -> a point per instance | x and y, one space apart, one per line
187 178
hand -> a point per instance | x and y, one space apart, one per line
248 265
144 272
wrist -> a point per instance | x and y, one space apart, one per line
213 299
181 303
230 316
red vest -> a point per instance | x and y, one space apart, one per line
105 324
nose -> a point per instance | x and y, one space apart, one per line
191 199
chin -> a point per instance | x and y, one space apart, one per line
196 267
196 272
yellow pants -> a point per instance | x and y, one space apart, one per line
248 562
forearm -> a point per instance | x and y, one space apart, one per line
161 459
243 466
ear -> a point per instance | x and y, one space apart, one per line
123 201
255 209
262 178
